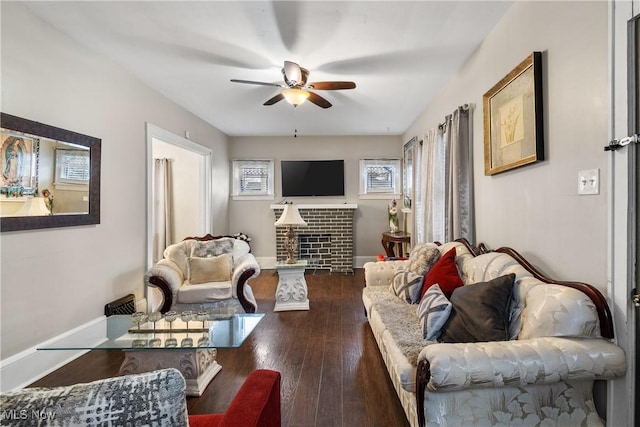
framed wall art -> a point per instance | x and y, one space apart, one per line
513 125
18 162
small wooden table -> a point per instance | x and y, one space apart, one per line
389 240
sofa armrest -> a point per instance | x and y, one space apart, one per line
521 362
245 268
547 360
257 404
381 273
166 276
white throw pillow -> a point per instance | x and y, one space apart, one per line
433 311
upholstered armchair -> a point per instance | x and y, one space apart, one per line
206 273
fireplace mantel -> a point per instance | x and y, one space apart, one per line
320 206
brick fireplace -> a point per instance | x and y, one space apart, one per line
327 240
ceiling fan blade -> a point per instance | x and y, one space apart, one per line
318 100
251 82
332 85
279 97
292 73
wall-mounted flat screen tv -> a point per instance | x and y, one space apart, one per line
312 178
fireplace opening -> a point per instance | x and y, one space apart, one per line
316 250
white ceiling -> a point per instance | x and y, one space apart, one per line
399 54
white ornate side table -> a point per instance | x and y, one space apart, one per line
291 293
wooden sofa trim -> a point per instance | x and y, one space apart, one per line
604 313
423 372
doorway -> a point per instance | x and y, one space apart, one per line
183 207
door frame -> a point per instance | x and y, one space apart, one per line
206 216
621 201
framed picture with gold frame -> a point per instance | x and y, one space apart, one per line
513 125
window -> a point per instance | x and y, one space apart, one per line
252 179
72 167
379 178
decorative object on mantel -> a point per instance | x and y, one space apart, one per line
393 216
290 217
513 127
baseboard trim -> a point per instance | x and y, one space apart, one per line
30 365
269 263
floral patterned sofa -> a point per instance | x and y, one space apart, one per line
557 340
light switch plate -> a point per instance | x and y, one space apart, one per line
589 182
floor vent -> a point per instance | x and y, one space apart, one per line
124 305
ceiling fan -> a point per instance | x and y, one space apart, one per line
296 89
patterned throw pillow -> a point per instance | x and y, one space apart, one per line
154 398
433 311
209 248
406 285
422 258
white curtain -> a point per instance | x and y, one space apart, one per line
162 207
444 208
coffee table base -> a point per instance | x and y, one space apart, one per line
198 366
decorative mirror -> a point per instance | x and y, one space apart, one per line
49 177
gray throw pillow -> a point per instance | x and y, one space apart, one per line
154 398
209 248
480 312
433 311
421 258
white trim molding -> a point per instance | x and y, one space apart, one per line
24 368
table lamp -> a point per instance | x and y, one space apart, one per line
290 217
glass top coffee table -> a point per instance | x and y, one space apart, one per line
189 347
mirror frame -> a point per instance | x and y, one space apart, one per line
7 121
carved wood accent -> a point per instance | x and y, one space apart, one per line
423 374
604 314
164 287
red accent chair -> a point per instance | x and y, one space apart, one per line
257 404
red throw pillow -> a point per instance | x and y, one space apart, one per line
444 273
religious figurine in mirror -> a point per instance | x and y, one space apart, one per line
48 200
393 216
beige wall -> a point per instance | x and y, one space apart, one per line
536 209
54 280
256 218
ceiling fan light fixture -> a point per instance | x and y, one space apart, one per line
295 96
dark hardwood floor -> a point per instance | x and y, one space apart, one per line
332 372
